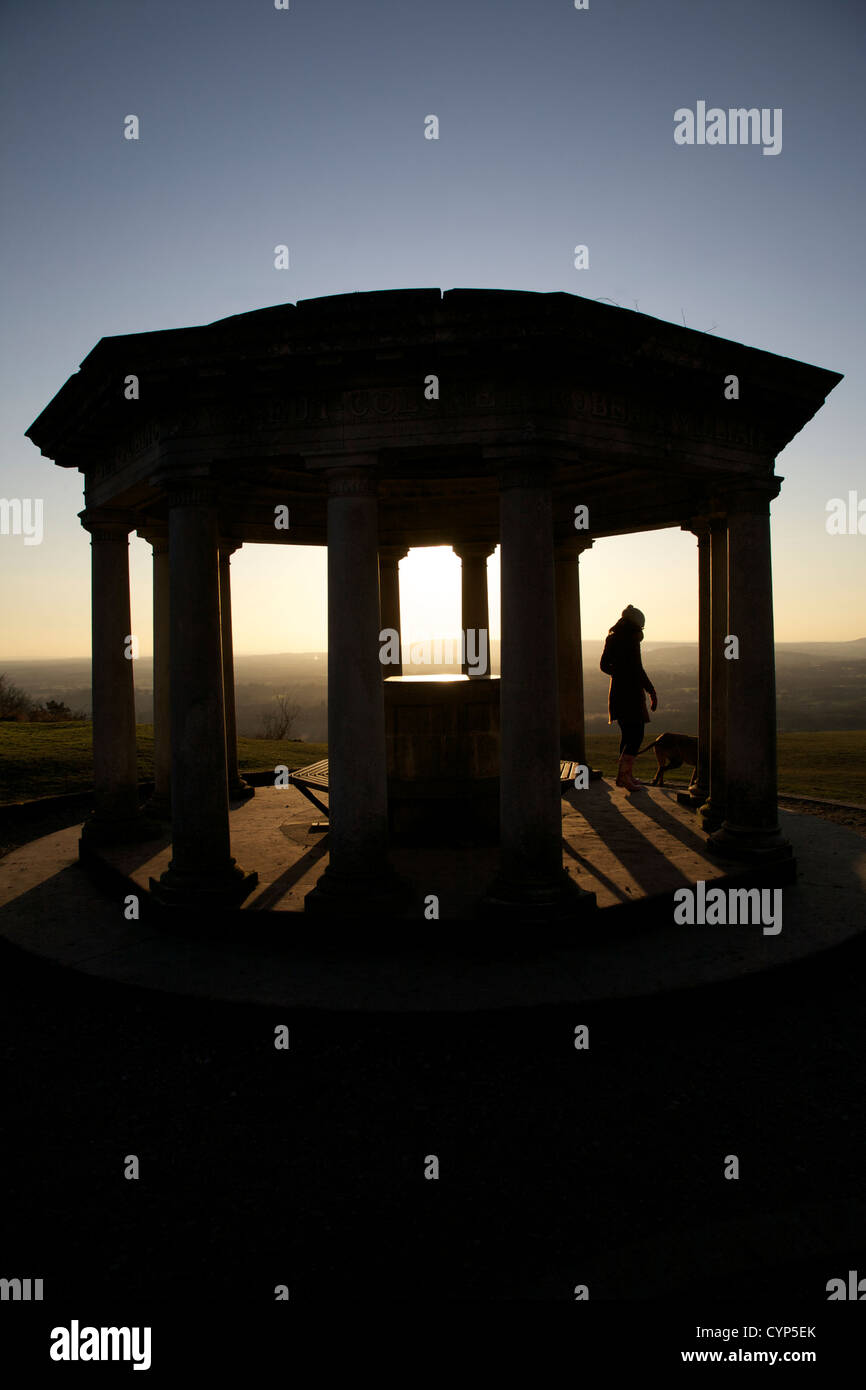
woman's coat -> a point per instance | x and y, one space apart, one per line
621 661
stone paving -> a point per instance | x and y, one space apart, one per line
621 847
627 849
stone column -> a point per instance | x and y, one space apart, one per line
389 601
159 804
532 885
116 817
751 826
700 790
358 877
238 788
202 871
712 812
475 607
569 651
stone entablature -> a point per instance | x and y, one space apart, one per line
611 396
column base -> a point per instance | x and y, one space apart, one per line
711 816
694 798
120 830
241 790
211 890
756 844
347 896
542 902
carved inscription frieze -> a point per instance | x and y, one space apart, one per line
138 443
373 405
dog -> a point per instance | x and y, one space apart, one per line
672 750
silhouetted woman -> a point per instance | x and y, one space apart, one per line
629 687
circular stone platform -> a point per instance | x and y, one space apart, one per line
49 906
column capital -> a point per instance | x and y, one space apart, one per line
227 546
754 495
572 547
156 536
699 526
191 492
179 478
517 472
473 550
393 554
755 500
352 482
106 524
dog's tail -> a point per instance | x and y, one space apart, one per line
646 747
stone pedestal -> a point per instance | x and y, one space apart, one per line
475 605
116 817
202 872
532 885
442 745
239 790
750 829
359 878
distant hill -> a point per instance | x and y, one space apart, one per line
820 685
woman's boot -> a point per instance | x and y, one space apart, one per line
624 776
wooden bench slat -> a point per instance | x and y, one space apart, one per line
312 779
316 775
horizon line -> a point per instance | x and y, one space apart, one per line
661 641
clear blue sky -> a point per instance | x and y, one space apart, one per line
306 126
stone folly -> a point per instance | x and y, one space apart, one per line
315 424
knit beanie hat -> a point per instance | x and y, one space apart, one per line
634 615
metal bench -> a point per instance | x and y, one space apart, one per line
314 778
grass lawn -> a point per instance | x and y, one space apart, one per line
47 759
831 766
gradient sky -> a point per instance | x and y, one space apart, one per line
306 126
